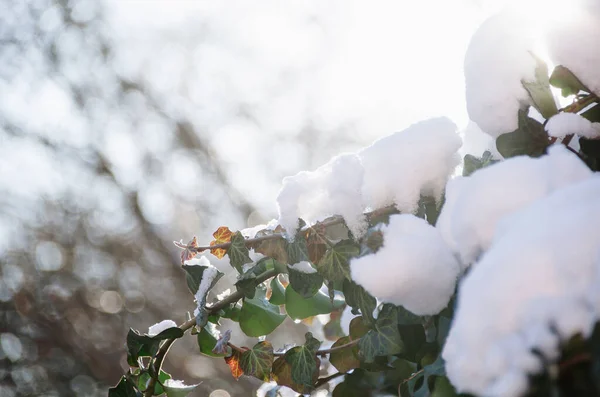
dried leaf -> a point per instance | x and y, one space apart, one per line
234 364
222 235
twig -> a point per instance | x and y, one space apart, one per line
414 375
322 381
325 352
250 241
164 348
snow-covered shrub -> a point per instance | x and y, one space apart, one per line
377 246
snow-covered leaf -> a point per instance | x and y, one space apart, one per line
304 283
175 388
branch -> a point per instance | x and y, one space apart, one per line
164 348
325 352
336 220
322 381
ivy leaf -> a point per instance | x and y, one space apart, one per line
146 345
316 244
277 292
304 361
189 253
221 347
208 338
372 241
144 379
385 339
564 79
529 138
258 361
358 328
193 277
539 90
298 307
238 252
297 251
437 368
344 359
222 236
282 374
406 317
258 316
125 388
305 284
275 248
472 163
232 312
178 389
335 265
359 298
233 362
443 329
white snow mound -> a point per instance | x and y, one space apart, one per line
414 267
476 203
537 284
564 124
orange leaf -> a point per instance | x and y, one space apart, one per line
234 364
222 235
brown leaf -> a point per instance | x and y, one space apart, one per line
189 252
222 235
316 243
234 364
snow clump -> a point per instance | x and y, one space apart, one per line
395 170
414 267
538 284
564 124
498 59
476 203
160 327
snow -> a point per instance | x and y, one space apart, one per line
407 164
564 124
498 58
475 204
573 42
160 327
303 267
540 274
208 277
332 189
394 170
414 267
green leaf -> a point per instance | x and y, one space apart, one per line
443 388
193 277
298 307
358 328
406 317
277 292
258 361
297 250
247 281
144 379
232 312
208 338
539 90
359 298
258 316
564 79
344 359
305 284
282 374
334 265
238 252
147 346
178 389
443 329
125 388
437 368
385 339
304 361
529 139
472 163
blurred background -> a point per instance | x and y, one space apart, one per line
127 124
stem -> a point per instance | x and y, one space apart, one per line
322 381
250 241
325 352
164 348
